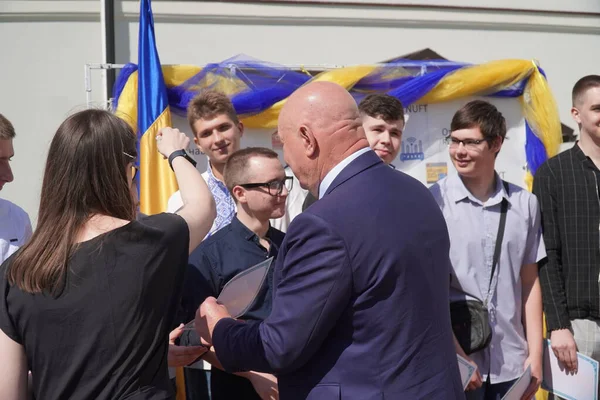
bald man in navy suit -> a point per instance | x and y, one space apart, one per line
360 307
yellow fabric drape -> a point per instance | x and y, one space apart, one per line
346 77
478 80
127 109
175 75
541 112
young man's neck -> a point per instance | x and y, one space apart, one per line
481 187
217 170
260 228
590 147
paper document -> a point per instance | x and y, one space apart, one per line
466 371
518 389
240 292
580 386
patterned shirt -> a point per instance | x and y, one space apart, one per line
473 227
226 208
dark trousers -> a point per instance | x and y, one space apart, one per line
224 386
196 384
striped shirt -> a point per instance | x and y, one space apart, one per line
567 189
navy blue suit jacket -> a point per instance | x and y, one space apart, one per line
360 307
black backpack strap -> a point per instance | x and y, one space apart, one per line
500 236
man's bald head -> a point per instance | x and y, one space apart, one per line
319 126
321 103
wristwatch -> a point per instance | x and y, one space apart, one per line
180 153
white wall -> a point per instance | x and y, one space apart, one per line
50 41
41 82
589 6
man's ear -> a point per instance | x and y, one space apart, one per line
308 141
240 127
496 144
198 145
239 194
576 116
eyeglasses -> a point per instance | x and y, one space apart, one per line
274 187
470 144
134 169
134 173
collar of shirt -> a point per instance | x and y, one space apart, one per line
212 176
457 191
578 152
335 171
239 228
584 158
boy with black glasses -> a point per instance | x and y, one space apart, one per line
259 186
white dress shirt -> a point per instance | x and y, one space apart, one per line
15 228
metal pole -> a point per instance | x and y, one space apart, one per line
107 17
110 68
88 85
314 67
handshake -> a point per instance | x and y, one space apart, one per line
208 314
234 301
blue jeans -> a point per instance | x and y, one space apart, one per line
489 391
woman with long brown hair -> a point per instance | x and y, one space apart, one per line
87 304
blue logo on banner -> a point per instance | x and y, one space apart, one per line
412 149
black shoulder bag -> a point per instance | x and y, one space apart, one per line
470 319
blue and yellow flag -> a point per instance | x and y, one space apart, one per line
157 181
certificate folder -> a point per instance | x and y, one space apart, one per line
240 292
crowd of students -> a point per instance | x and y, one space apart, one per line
92 301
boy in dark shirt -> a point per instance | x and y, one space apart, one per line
567 187
258 183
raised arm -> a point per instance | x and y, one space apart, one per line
198 209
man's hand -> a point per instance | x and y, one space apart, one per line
207 316
536 376
564 348
265 385
180 356
476 380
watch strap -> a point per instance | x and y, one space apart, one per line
180 153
